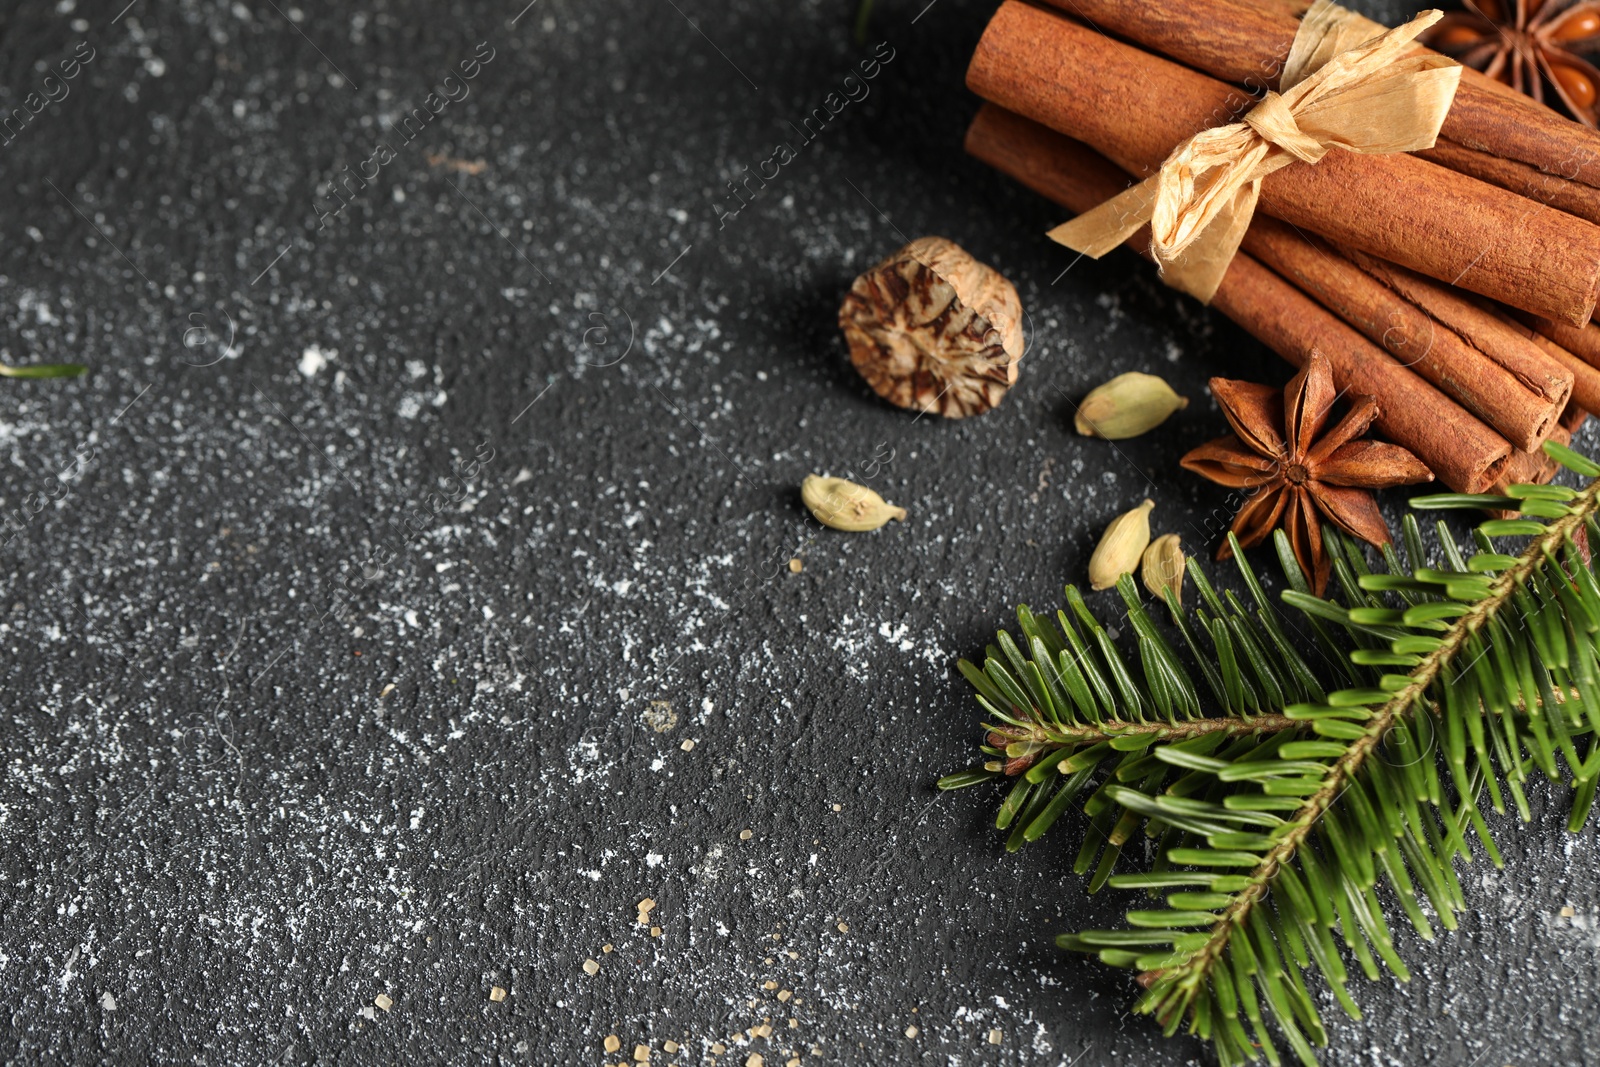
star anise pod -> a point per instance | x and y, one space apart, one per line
1530 45
1300 477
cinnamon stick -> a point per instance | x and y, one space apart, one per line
1135 107
1581 341
1247 41
1536 468
1585 376
1463 453
1530 468
1487 366
1575 198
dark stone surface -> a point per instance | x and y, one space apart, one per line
234 807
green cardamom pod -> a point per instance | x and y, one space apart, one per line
1162 568
1121 547
845 505
1127 406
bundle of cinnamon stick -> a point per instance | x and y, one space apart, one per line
1455 285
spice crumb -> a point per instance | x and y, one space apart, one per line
795 566
382 1000
591 967
641 1054
912 1031
669 1047
497 994
612 1043
844 928
994 1037
688 744
784 994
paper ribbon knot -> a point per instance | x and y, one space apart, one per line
1341 88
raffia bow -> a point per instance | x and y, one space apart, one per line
1342 88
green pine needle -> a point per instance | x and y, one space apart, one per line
1325 749
863 18
43 370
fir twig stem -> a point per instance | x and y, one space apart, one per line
1182 730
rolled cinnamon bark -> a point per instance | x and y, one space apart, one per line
1490 368
1575 198
1135 107
1581 341
1536 468
1247 41
1585 376
1462 452
1530 468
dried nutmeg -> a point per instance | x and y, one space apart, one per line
845 505
1162 568
932 329
1127 406
1120 547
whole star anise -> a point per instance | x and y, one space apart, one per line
1531 45
1296 478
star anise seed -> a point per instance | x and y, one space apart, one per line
1298 477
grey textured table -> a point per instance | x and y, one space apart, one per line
552 407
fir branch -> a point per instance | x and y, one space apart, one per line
1406 700
1277 780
